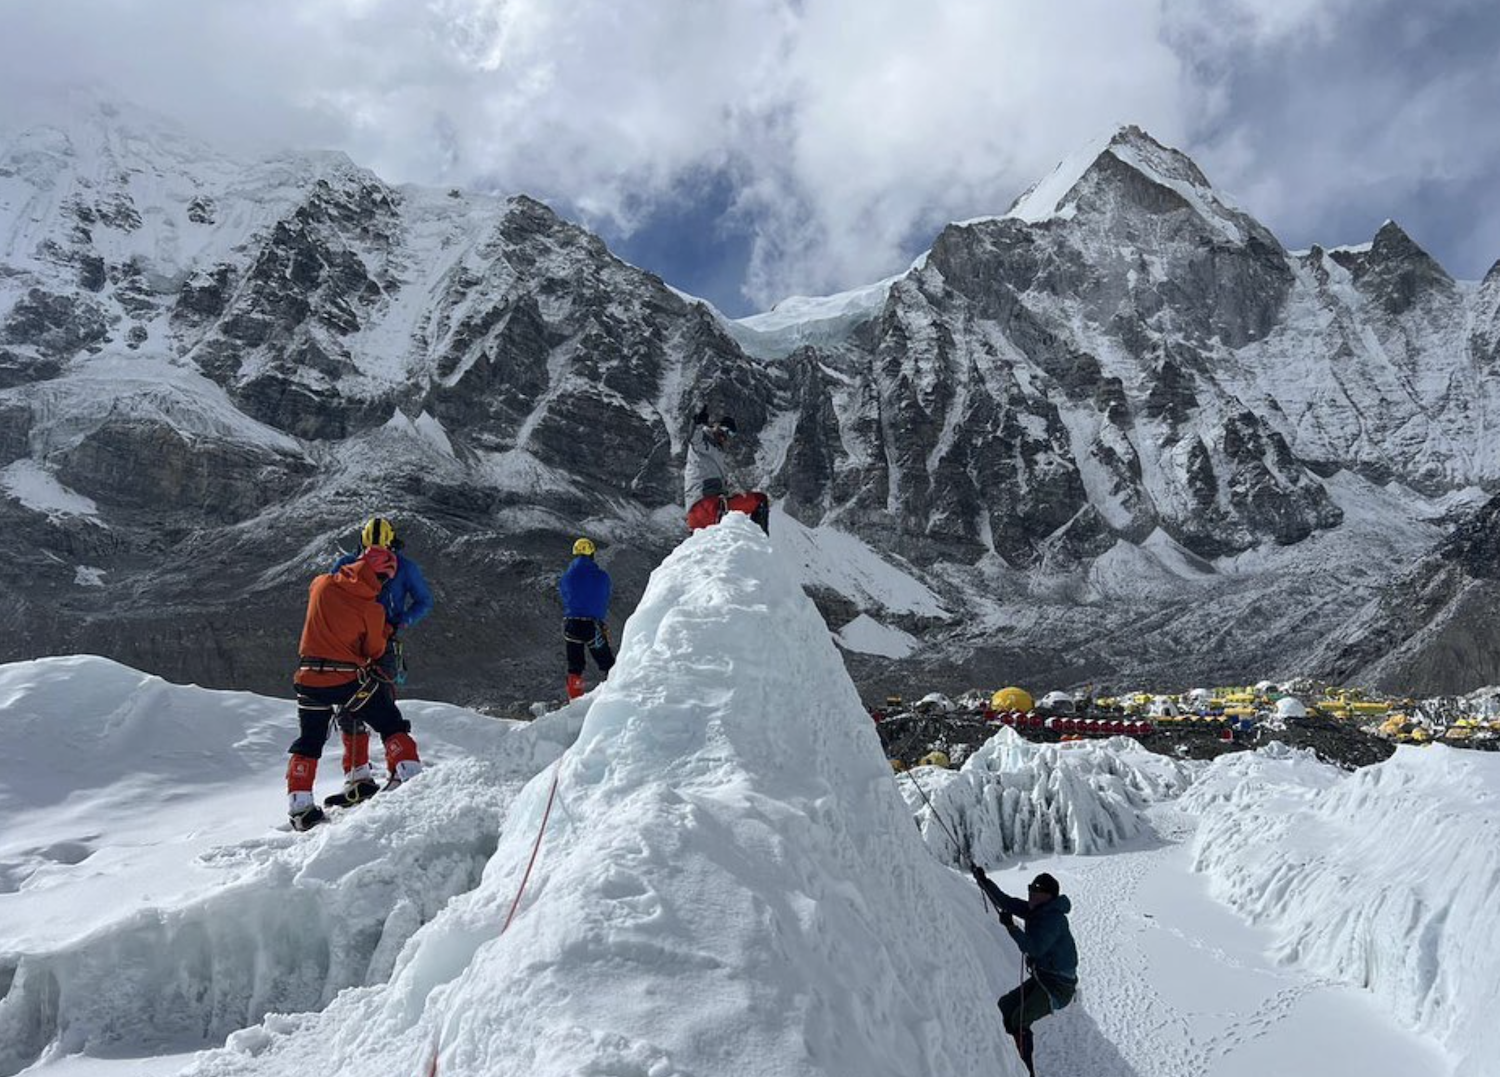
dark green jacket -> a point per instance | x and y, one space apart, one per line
1046 940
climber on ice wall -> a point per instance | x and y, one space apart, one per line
1046 942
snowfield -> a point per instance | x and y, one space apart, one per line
727 881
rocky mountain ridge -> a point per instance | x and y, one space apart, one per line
1118 430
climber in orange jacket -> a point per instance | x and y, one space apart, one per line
338 677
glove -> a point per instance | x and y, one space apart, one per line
978 873
1007 920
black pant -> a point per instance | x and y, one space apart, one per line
580 633
1030 1002
315 710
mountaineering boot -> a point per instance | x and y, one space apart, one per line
575 685
303 812
404 772
355 791
308 818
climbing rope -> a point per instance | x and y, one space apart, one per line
958 846
1021 1029
536 847
964 856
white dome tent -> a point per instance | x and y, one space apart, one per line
1290 707
1055 703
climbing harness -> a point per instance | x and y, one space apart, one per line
327 665
371 678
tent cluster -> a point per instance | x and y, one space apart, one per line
940 731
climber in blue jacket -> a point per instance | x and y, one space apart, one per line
1047 944
406 596
585 591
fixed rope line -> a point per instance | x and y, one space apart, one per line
958 846
994 905
536 847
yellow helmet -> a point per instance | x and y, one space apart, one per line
583 548
377 532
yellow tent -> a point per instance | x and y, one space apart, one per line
1011 699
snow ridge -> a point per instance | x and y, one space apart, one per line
1386 879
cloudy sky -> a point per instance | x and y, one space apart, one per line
751 149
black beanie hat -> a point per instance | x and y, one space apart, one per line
1046 883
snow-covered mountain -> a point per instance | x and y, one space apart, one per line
706 866
1114 433
1433 626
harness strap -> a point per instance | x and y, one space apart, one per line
371 680
327 665
592 638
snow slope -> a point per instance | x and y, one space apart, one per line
145 905
830 558
1387 879
800 321
726 832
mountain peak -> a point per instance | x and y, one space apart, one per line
1393 264
1156 160
1393 241
1098 164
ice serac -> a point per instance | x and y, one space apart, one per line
729 881
1380 878
1013 798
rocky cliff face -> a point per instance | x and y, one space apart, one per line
1434 626
1090 426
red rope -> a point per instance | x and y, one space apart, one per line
536 847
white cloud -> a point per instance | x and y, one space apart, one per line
851 129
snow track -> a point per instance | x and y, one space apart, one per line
1174 984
